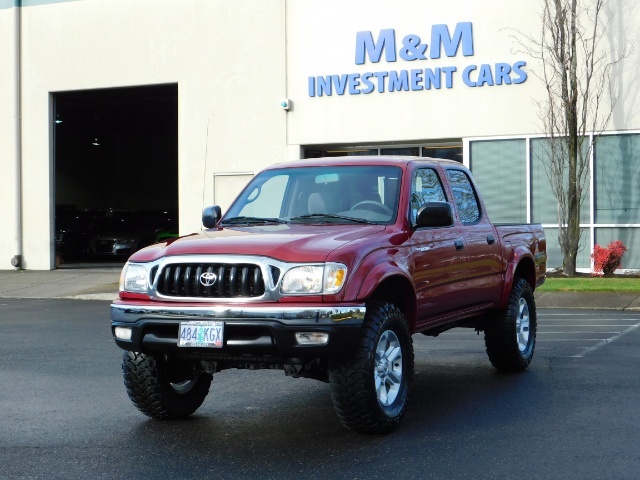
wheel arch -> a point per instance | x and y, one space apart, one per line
521 265
398 290
526 269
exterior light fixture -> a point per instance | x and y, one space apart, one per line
286 104
95 142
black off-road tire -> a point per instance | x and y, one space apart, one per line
360 386
511 339
164 388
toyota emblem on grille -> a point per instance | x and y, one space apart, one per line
208 279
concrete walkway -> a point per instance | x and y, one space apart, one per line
101 283
591 300
81 283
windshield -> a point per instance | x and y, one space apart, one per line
336 194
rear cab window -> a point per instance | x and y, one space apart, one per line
465 196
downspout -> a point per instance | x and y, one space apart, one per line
16 261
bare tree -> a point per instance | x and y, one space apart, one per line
575 69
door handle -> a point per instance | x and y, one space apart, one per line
490 239
459 245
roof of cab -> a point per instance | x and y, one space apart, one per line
397 160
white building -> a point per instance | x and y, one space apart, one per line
174 104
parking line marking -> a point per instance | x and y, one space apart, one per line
592 325
581 332
606 341
574 339
561 328
562 318
594 317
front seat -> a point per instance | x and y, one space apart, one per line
317 203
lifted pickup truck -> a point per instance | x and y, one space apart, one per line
324 268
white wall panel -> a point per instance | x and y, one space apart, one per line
234 61
227 58
9 179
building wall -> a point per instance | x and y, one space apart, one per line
8 131
228 59
322 41
235 61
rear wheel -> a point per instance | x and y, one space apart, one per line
164 387
370 391
511 339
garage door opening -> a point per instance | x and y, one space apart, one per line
116 172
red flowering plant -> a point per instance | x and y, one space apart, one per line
606 260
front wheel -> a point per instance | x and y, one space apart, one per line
511 339
370 391
164 387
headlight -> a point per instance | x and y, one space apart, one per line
314 279
133 278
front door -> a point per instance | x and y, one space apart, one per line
438 254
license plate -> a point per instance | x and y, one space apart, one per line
201 334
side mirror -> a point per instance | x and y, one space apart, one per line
211 216
434 214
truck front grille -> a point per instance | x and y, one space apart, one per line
211 280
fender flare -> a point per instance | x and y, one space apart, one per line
379 274
520 262
367 282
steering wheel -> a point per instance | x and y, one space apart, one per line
373 206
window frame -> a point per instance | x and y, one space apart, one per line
473 191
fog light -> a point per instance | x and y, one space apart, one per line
312 338
122 333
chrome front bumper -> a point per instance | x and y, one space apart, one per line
298 315
250 331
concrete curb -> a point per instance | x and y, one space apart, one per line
93 296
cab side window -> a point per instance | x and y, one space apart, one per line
464 196
425 187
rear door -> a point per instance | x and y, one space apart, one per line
482 246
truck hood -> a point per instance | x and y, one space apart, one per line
289 243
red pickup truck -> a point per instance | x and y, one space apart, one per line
324 268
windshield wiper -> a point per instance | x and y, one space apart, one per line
251 220
330 216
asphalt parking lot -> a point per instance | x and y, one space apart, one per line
571 415
568 333
576 334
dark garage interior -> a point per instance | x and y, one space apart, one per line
116 172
